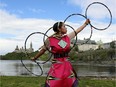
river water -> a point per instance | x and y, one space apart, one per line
15 68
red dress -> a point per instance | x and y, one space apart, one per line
61 73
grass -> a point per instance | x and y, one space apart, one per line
15 81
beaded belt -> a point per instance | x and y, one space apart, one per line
60 55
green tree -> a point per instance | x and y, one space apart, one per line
76 48
112 44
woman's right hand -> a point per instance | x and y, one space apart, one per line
33 59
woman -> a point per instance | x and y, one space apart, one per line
61 73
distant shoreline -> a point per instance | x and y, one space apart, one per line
92 63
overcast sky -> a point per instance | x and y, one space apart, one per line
19 18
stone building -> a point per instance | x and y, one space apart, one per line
83 46
28 50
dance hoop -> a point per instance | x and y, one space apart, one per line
38 63
108 11
76 14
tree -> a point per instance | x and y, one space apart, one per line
76 48
112 44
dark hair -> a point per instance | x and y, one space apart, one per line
56 26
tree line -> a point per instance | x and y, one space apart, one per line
86 56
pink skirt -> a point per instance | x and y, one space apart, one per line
61 74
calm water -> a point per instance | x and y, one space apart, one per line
15 68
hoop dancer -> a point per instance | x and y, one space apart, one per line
61 73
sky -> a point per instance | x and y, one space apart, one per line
19 18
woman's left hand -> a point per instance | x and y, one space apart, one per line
87 22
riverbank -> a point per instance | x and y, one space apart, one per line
96 56
16 81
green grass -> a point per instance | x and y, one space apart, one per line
15 81
97 83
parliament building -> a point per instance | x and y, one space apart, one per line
28 50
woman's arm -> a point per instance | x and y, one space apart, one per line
72 34
42 51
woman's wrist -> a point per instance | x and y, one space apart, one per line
34 58
86 23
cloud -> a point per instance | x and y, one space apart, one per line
100 16
36 10
7 45
13 25
20 28
84 3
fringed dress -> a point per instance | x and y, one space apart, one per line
61 73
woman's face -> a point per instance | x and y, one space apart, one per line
63 29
